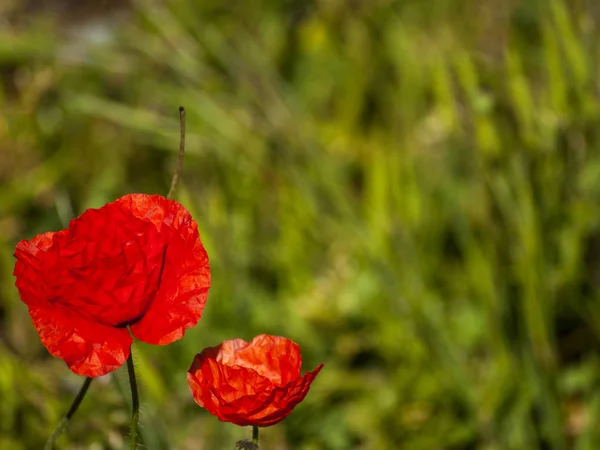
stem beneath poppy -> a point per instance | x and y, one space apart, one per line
247 444
175 178
135 402
65 420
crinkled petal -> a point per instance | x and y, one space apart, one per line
274 357
32 262
185 279
137 261
281 402
106 266
230 383
89 348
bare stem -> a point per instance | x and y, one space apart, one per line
65 420
175 178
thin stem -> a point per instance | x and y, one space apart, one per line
175 178
65 420
247 444
135 402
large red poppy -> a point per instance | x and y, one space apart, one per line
250 383
137 262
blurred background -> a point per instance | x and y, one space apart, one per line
410 190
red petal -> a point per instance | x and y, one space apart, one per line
231 381
88 348
215 385
106 266
183 291
31 259
274 357
137 261
283 400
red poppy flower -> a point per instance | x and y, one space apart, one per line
136 262
256 383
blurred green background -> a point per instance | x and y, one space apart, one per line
408 189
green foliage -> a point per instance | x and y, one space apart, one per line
409 190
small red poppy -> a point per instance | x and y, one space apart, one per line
137 262
250 383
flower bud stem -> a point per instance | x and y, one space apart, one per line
246 444
135 402
65 420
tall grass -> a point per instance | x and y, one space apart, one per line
409 190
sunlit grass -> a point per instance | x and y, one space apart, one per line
409 192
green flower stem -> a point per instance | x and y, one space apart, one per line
65 420
135 402
247 444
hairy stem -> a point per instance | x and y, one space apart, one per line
135 402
